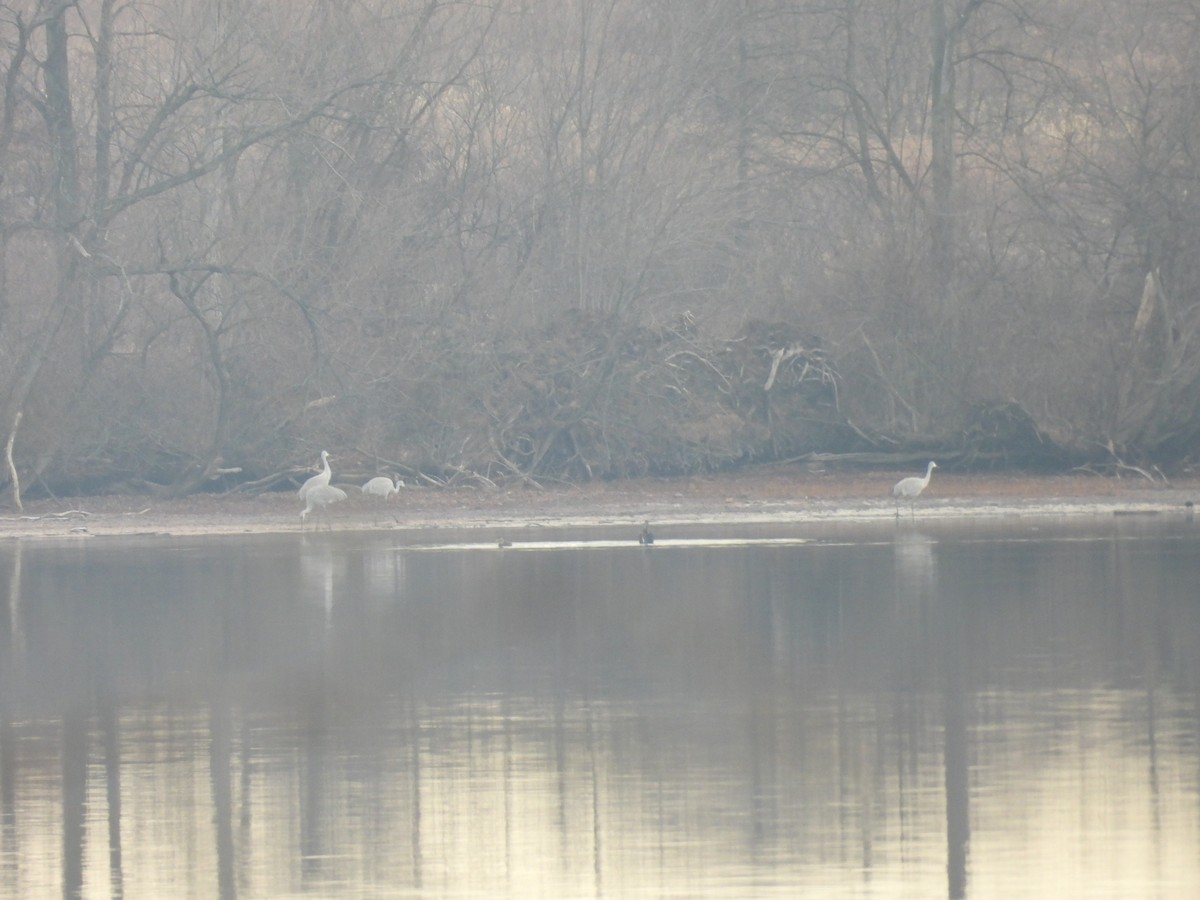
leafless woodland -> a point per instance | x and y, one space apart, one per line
573 239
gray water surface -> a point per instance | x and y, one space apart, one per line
872 711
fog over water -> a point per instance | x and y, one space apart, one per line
963 709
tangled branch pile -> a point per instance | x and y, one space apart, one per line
591 396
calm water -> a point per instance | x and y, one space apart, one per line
955 709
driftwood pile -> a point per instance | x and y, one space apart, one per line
601 398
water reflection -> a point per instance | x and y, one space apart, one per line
902 712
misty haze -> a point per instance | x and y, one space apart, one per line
592 239
702 278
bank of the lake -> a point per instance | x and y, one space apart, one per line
756 495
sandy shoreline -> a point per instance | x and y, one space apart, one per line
764 494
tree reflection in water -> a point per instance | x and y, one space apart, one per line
907 708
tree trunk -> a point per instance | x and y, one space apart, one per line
60 124
946 33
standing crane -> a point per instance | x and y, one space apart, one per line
382 486
319 497
910 489
321 479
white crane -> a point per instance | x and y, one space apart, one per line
910 488
382 486
319 496
321 479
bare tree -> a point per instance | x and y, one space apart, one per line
187 113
